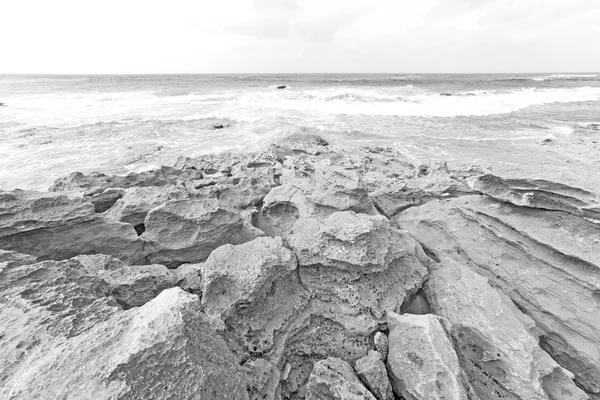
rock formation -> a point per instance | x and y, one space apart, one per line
303 272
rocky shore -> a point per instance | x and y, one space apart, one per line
303 272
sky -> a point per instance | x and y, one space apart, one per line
289 36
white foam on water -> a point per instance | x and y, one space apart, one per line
374 102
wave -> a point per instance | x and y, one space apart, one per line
563 77
419 103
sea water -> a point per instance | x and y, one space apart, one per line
53 125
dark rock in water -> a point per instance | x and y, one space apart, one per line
281 86
2 104
445 94
218 126
547 141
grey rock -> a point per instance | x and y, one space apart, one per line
494 339
63 336
372 371
53 226
382 344
422 362
544 260
334 379
187 231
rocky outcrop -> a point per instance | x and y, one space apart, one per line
63 336
498 350
538 257
96 183
270 275
334 379
56 227
422 361
187 231
135 203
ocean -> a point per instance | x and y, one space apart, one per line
51 126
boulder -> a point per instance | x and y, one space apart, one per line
372 371
495 342
63 336
422 362
334 379
187 231
56 227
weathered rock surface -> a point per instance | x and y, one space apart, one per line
56 227
95 183
263 380
545 261
422 362
136 202
63 336
295 262
334 379
371 370
356 268
382 344
496 344
187 231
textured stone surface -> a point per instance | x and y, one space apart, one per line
334 379
422 362
187 231
291 266
317 191
63 336
136 202
263 380
545 261
355 267
95 183
372 371
494 339
382 344
52 226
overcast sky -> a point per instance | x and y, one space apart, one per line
196 36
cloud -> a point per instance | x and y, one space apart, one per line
136 36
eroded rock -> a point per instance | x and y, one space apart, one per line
57 227
187 231
372 371
495 342
334 379
422 362
63 336
545 261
